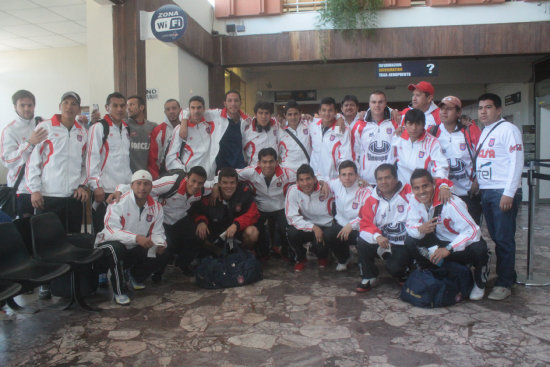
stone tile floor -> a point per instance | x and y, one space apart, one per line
309 319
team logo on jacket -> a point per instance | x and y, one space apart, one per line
279 184
149 217
305 131
207 129
238 207
420 154
389 131
401 208
354 206
133 133
332 137
492 142
462 146
79 137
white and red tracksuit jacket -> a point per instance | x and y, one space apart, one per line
15 148
383 217
108 165
432 116
423 153
454 146
371 146
303 211
500 160
56 166
269 198
328 149
177 206
290 153
196 151
160 139
349 201
455 224
256 138
352 124
124 221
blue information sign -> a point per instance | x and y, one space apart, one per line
397 69
168 23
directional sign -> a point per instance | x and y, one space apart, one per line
407 69
168 23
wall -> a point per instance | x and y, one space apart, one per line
200 10
417 16
193 78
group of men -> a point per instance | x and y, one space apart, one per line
380 180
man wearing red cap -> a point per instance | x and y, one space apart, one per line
458 143
422 99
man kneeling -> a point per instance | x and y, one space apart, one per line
447 228
133 237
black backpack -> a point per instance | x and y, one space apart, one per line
234 268
181 175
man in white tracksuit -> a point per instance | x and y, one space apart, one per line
133 238
161 136
294 141
262 132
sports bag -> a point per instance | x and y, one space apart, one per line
439 287
234 268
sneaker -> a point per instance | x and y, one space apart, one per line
44 292
499 293
299 267
477 293
121 299
341 267
365 285
135 285
322 263
156 277
103 282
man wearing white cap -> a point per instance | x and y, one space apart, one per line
133 236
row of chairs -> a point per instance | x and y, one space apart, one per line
53 255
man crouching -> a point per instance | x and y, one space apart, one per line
133 238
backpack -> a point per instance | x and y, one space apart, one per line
233 268
105 125
444 286
181 175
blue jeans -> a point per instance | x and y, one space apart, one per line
502 229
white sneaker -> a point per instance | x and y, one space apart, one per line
121 299
477 293
499 293
135 285
341 267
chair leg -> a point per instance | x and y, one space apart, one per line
76 295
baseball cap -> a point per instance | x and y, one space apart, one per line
142 175
423 86
451 101
70 94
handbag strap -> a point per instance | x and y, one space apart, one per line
298 142
20 177
486 136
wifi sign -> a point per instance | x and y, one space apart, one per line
168 23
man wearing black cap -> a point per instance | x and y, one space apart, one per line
55 173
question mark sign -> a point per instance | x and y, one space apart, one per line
430 67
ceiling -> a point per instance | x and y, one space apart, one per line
33 24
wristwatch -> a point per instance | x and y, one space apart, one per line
450 248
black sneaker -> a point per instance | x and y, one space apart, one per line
365 285
156 277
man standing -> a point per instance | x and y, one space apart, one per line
498 171
350 110
133 238
309 215
261 133
330 144
270 182
294 141
382 227
161 137
447 227
371 139
56 171
458 144
108 156
422 99
140 133
16 144
192 140
415 148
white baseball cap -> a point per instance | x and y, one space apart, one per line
142 175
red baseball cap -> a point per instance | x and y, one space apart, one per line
423 87
451 101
